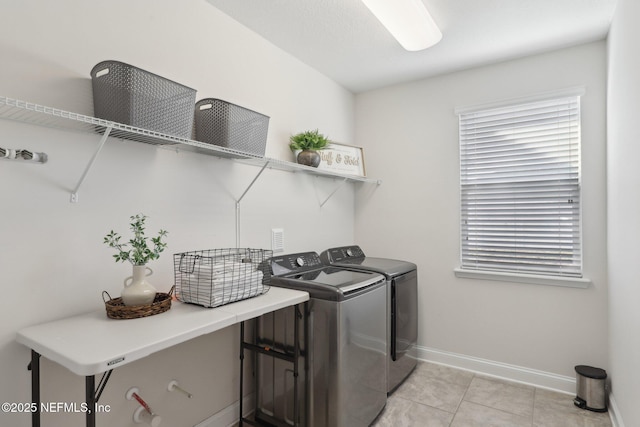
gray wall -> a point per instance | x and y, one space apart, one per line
410 136
623 207
52 258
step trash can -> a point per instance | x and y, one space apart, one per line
590 388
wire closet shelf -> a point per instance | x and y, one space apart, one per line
40 115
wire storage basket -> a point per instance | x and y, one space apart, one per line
216 277
129 95
228 125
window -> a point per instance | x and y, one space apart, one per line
520 188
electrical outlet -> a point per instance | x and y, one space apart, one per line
277 240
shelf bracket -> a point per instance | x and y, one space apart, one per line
74 195
253 182
339 186
242 197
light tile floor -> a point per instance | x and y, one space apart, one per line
439 396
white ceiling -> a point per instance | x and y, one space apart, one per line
343 40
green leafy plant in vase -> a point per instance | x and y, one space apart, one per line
308 143
139 250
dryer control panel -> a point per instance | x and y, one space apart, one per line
295 263
341 254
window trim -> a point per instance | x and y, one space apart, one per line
542 96
518 277
533 279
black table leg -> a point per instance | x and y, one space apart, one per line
240 418
90 391
35 387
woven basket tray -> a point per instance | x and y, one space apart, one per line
117 310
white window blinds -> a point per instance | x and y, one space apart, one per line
520 188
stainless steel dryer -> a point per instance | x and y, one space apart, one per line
344 354
402 296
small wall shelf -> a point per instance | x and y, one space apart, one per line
26 112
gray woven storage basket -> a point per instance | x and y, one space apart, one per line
126 94
228 125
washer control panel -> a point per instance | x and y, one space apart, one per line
284 264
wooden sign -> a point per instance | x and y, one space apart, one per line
340 158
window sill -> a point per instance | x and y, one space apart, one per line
570 282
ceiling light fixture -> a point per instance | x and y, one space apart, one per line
408 21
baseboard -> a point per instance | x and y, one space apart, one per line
614 412
229 415
500 370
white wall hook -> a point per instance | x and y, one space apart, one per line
25 155
33 156
173 385
7 153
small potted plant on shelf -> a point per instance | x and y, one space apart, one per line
307 143
137 251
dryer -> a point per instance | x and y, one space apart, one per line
344 353
402 306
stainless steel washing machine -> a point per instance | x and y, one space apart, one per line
402 297
344 379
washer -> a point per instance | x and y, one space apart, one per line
402 299
345 350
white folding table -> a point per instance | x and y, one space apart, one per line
91 344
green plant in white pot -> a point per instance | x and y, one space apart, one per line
308 143
137 291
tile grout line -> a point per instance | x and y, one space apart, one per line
533 406
462 399
506 411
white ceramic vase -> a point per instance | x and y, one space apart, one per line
137 291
